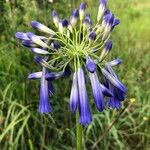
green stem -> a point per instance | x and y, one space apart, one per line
78 133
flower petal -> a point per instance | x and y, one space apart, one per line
42 27
84 109
39 51
35 75
97 92
114 81
74 97
44 106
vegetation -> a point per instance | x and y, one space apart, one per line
21 125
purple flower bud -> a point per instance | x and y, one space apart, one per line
101 10
115 23
42 27
108 45
55 45
35 75
54 14
55 18
92 36
103 2
39 51
82 11
21 36
87 19
90 65
115 62
83 6
28 43
75 13
64 23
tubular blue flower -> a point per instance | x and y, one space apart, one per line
42 27
92 36
39 51
101 10
107 48
84 109
118 95
74 96
82 11
35 39
74 17
55 18
97 91
114 81
90 65
45 106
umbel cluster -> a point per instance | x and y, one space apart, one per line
77 49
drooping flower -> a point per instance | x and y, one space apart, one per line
77 45
84 109
97 91
74 97
118 92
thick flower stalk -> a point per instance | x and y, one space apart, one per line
77 48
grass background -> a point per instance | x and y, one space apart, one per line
23 128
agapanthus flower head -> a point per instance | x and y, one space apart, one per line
77 50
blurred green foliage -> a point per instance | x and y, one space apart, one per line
23 128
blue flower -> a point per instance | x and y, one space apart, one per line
45 89
84 109
44 106
74 97
118 92
97 91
